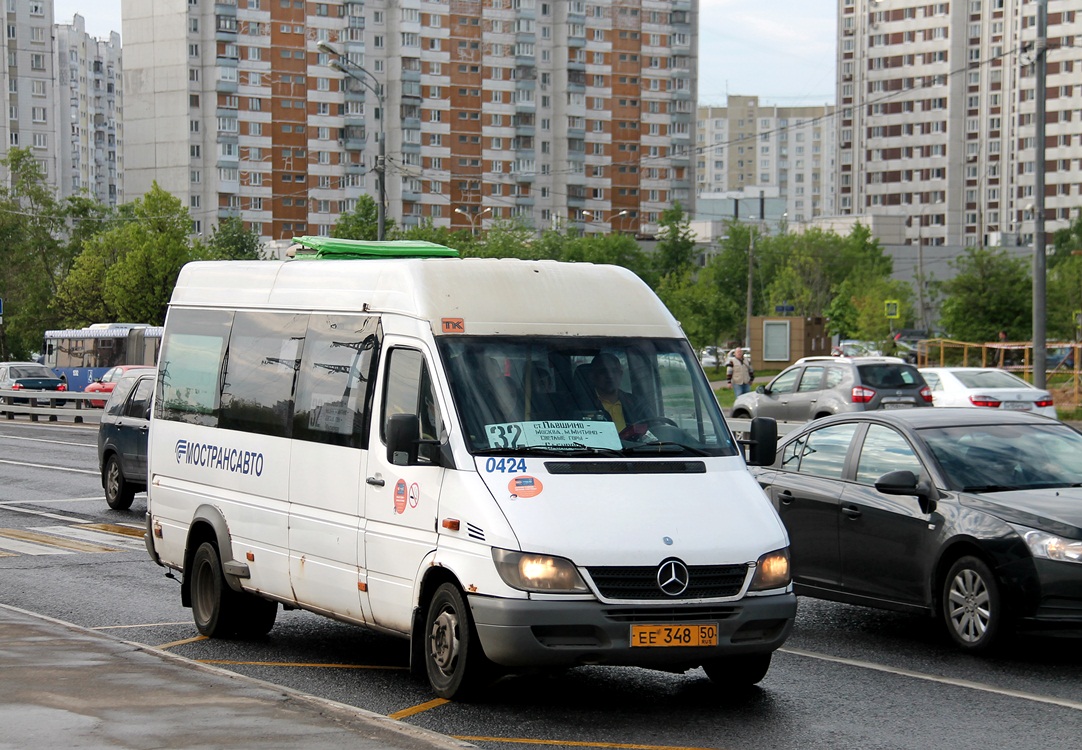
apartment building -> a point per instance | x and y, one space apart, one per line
747 147
89 124
936 104
32 111
64 101
553 112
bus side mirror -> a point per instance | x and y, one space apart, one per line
763 443
403 434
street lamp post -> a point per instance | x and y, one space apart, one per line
347 67
751 293
473 217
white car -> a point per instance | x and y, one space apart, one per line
987 387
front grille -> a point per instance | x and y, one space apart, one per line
671 614
640 583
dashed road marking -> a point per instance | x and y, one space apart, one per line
35 537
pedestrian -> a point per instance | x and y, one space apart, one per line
738 372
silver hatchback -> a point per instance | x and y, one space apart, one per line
814 387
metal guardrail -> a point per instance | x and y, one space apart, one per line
744 426
55 406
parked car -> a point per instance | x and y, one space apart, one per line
122 438
30 376
711 356
970 515
108 381
986 387
815 387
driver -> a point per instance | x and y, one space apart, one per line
622 407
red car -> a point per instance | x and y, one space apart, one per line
108 381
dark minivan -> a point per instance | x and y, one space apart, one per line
122 438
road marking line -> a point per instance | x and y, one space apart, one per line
90 536
1062 702
133 530
25 548
46 466
43 440
574 743
44 514
141 625
407 712
28 535
181 643
296 664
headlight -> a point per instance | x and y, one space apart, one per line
1052 547
772 571
529 572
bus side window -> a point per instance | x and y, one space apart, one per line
408 389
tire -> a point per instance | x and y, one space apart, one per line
741 414
119 493
256 616
214 604
454 662
972 605
740 671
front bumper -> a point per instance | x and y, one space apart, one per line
533 633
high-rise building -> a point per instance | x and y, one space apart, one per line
746 147
936 116
548 111
89 124
28 77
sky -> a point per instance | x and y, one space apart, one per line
782 51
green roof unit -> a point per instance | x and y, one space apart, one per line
330 247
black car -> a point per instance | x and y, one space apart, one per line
122 438
29 376
965 514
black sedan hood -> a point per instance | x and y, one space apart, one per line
1057 510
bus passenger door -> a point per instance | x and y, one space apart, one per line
401 501
327 464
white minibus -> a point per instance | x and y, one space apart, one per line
514 464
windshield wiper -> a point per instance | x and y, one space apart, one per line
989 488
665 446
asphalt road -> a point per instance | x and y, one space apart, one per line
849 677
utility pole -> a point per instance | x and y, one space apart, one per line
751 291
1040 64
347 67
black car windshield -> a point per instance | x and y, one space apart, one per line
583 396
32 371
998 457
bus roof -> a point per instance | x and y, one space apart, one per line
100 331
331 247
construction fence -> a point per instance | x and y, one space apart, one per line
1063 375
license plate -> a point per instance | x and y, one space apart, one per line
699 634
1016 405
897 404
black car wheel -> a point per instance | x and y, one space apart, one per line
455 664
118 492
972 605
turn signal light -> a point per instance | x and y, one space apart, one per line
862 394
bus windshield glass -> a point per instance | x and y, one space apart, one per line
567 395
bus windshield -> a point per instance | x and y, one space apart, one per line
583 396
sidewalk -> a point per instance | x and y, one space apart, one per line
65 686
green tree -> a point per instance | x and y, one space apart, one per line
127 273
231 241
362 223
990 292
676 244
34 258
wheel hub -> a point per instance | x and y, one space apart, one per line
443 643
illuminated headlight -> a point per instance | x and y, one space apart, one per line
1052 547
772 571
545 573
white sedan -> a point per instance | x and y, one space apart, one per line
986 387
